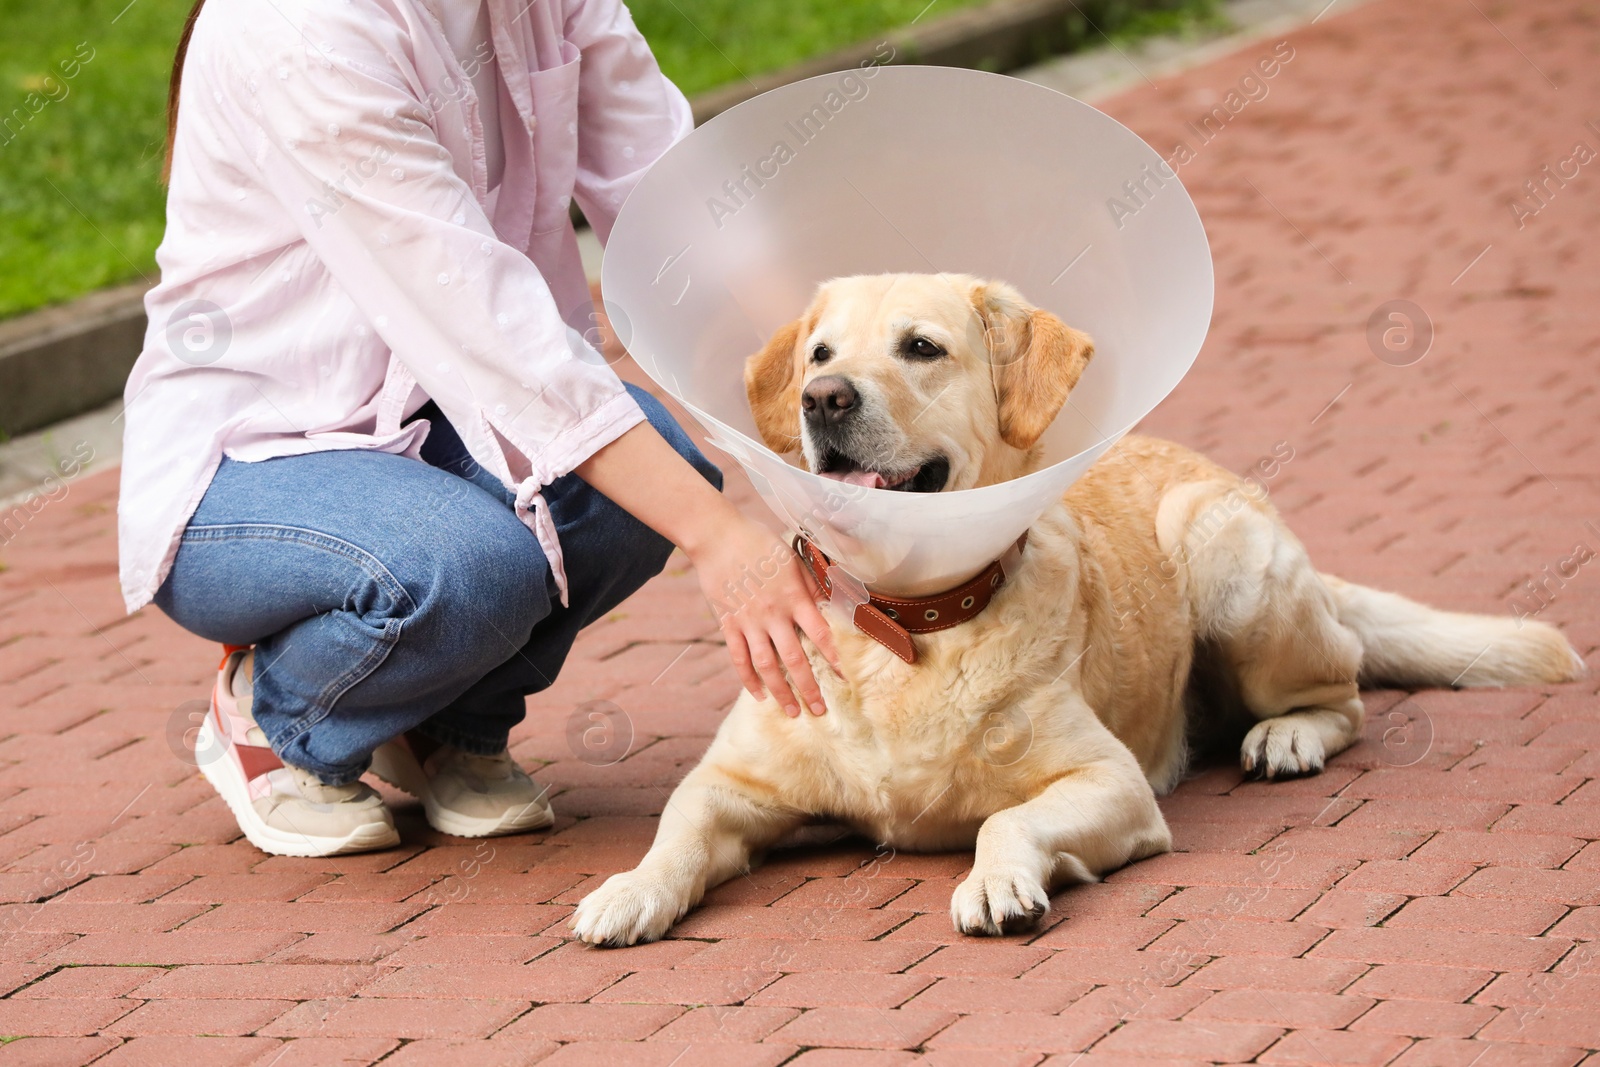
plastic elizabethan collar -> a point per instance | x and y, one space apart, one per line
920 169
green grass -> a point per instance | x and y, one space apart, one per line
81 204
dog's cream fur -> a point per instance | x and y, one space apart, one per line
1042 730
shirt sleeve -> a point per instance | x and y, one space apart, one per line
629 113
336 129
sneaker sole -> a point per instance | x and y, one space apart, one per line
401 770
225 778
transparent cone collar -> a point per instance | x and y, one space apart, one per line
910 169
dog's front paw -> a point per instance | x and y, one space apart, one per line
998 902
1282 748
628 909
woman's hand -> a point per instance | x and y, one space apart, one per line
754 581
761 595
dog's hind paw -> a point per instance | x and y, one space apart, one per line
998 902
629 909
1284 747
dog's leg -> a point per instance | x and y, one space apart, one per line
711 825
1096 818
1276 626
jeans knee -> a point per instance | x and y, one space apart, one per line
668 428
488 591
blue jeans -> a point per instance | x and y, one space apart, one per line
385 595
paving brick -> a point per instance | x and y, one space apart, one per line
851 892
464 949
273 981
1425 815
1425 1018
656 956
540 981
225 1018
378 1017
88 983
718 1024
1546 1026
983 959
1442 948
1528 917
1113 1059
882 957
122 888
166 1049
1108 965
1233 902
306 917
1569 988
1398 981
329 1051
1558 887
835 989
1349 907
1277 1007
994 995
341 948
1285 870
983 1058
486 919
1500 849
60 1018
668 1053
1026 1031
1452 1052
802 923
1140 1000
55 1051
691 987
1239 937
239 888
1104 932
64 916
497 1052
865 1028
1406 876
594 1022
1217 1042
174 947
1335 1047
1299 975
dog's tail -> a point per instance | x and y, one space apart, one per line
1410 645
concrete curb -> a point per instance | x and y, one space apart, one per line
61 361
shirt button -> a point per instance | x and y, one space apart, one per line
444 279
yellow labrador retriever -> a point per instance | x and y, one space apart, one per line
1090 670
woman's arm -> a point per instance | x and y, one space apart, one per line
753 580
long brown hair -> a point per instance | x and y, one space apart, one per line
175 82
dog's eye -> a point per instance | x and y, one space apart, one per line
820 354
922 348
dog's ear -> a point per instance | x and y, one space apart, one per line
772 384
1035 359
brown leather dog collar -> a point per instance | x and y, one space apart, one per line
891 621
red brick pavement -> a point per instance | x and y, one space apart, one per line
1431 900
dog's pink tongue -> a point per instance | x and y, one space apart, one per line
870 479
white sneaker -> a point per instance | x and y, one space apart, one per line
282 809
462 794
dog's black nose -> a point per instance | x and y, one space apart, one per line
828 400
